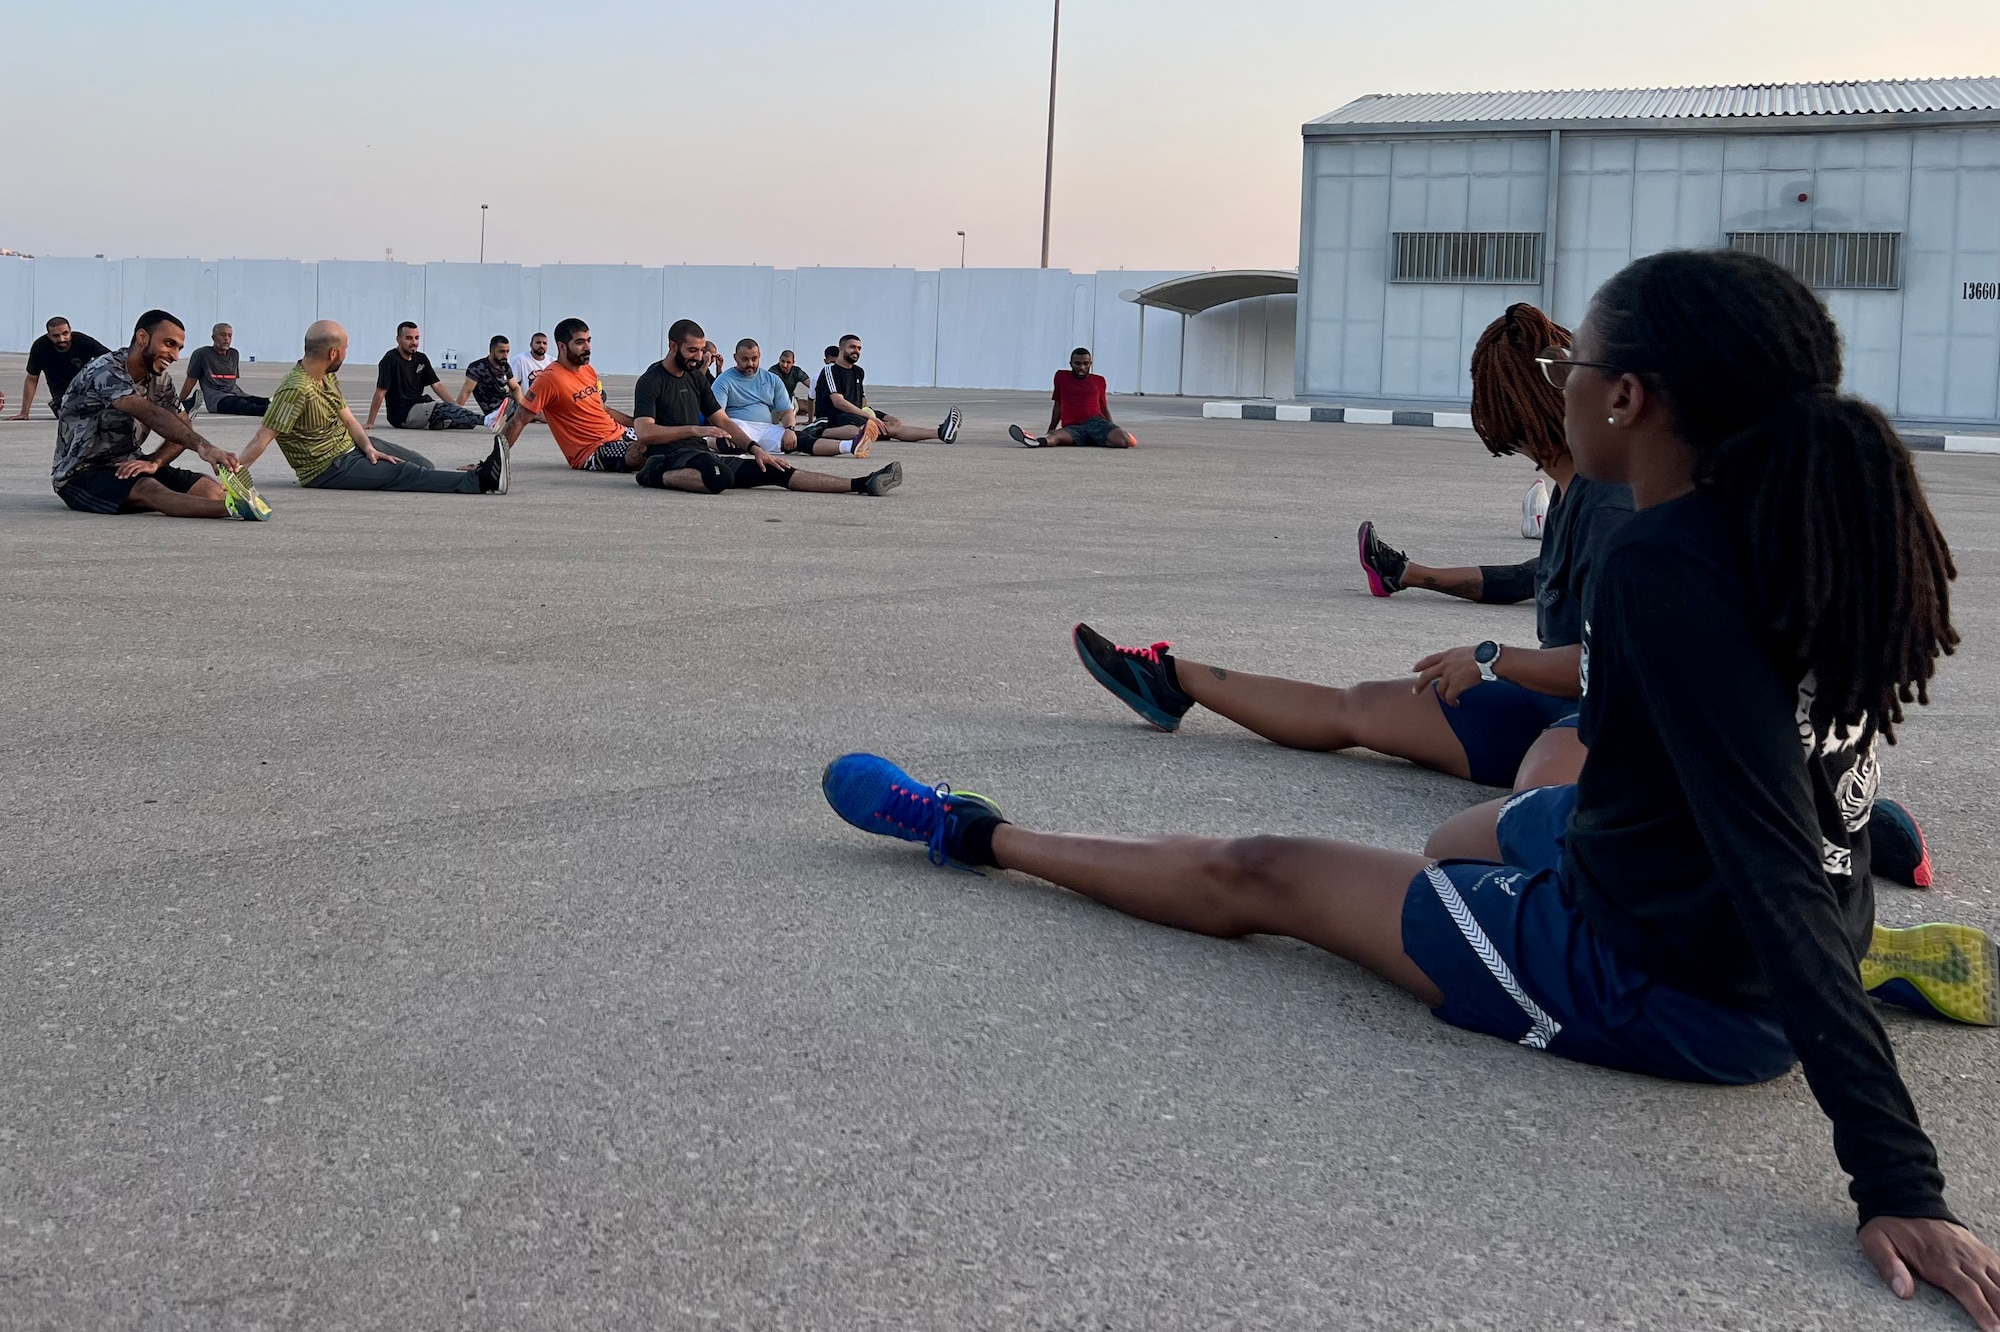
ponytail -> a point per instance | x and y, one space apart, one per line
1513 406
1846 559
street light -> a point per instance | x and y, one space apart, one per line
961 249
1049 160
482 233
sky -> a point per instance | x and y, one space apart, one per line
792 134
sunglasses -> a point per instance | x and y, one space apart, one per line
1556 365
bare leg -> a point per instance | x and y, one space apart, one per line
1555 759
1344 898
1386 716
1468 584
1058 439
203 499
1470 834
819 483
1121 438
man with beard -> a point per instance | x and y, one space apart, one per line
215 371
106 412
1080 412
329 450
57 356
533 361
757 400
841 399
407 379
486 381
797 382
679 420
569 397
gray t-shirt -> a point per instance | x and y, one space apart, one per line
1583 517
216 372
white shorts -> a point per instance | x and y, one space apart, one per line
767 435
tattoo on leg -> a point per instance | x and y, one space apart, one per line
1218 672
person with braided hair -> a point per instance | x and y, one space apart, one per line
1514 410
1698 906
1473 712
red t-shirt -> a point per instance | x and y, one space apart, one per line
1081 399
572 402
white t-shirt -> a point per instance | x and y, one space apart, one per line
527 367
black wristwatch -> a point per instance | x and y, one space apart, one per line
1485 655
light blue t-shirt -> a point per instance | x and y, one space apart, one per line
752 397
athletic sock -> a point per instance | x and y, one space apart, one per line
858 485
847 446
971 842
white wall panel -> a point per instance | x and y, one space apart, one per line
893 312
369 298
268 303
17 304
730 303
466 304
1006 328
182 287
1114 341
620 302
83 291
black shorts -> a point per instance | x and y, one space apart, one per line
1095 432
613 456
835 420
738 472
102 490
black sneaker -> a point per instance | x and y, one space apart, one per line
1024 439
883 481
948 428
1137 675
496 472
1382 562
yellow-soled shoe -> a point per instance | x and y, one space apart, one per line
1949 971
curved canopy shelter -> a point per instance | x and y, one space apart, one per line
1197 292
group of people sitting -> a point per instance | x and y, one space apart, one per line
1740 586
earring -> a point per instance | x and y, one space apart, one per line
1611 420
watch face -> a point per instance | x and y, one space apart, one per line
1485 652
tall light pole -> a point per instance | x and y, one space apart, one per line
482 233
1049 161
961 249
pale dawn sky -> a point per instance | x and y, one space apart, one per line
795 133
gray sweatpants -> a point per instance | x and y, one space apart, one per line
351 471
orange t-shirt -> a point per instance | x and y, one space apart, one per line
572 402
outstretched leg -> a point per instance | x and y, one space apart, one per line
1387 716
204 499
1344 898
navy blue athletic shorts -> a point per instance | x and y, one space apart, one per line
1516 961
1496 721
1095 432
102 490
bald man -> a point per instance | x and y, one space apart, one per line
319 436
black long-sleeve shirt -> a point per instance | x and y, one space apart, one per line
1720 835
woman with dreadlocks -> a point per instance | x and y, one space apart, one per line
1698 906
1472 711
1514 410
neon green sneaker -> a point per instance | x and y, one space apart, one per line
1949 971
240 497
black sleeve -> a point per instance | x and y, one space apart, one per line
427 374
709 406
35 350
646 399
1736 752
384 375
92 348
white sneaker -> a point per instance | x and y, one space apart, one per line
1535 510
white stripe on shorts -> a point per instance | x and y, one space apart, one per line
1544 1028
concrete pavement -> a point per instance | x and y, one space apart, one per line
420 912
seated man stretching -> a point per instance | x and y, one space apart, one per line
486 380
107 410
757 400
406 378
215 371
1081 414
840 398
679 419
329 450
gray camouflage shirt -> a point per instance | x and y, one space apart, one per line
91 433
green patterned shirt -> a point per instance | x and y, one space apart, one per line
305 416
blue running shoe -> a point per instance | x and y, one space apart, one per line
1136 675
1897 850
876 796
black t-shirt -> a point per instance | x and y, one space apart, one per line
1720 839
405 380
675 400
60 367
489 381
1583 516
841 378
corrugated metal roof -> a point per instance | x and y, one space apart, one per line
1761 99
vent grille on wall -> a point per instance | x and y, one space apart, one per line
1850 260
1466 256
